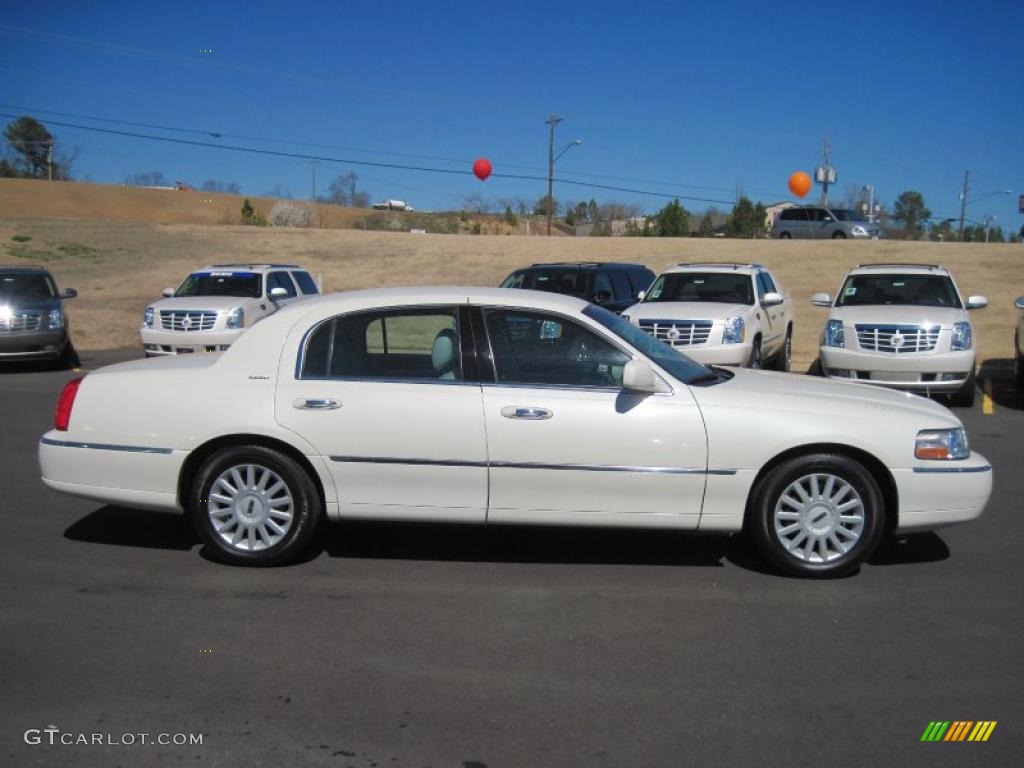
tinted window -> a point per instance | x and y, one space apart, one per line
538 348
515 280
572 282
306 283
623 290
723 287
33 286
420 344
243 284
641 279
280 280
602 282
916 290
797 214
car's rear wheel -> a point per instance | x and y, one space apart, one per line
755 361
253 505
964 397
818 515
838 235
785 236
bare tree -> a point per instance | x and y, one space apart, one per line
148 179
475 202
344 190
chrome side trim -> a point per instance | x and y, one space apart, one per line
532 465
105 446
943 470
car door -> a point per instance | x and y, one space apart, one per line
774 317
566 444
392 401
281 280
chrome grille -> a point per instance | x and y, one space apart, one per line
678 333
187 320
898 338
21 320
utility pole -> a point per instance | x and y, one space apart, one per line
963 205
552 121
49 159
826 175
312 165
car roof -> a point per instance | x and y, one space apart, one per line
902 268
714 266
250 267
24 269
582 265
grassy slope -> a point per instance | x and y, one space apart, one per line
118 267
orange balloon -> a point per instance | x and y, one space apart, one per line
799 183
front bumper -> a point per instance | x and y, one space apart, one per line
936 494
33 345
156 341
935 372
715 354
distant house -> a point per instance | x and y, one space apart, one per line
773 211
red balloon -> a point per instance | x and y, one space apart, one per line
482 168
799 183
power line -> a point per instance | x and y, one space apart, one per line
370 163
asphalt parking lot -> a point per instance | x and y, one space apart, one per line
403 645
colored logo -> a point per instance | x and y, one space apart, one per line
958 730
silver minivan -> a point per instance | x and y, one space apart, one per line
816 222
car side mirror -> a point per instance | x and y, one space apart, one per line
68 293
827 219
976 302
1019 303
168 292
278 293
821 300
600 297
638 376
640 295
772 299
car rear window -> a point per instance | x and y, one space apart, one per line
572 282
32 286
722 287
242 284
907 290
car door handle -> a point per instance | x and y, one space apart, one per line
526 412
316 403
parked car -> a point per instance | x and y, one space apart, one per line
1018 344
489 405
723 313
212 307
821 223
33 324
901 325
393 205
612 285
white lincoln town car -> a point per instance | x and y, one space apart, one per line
504 406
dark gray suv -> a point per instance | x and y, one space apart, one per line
33 325
820 223
613 285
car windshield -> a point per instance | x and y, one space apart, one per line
722 287
910 290
572 282
673 361
244 284
33 286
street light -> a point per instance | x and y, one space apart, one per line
964 202
552 121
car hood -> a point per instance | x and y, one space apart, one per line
764 390
210 303
684 310
887 314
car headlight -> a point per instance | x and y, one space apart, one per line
147 317
858 230
735 330
942 444
833 335
56 318
236 318
961 337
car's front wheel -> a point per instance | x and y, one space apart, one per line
785 236
840 235
784 359
818 515
965 396
755 360
253 505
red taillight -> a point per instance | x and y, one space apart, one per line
66 401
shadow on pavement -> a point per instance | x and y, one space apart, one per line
134 528
910 548
996 379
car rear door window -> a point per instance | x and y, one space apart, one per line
281 280
306 283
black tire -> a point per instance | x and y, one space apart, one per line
755 360
785 236
257 546
965 396
1018 364
838 235
818 526
67 359
784 359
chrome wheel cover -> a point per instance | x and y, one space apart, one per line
819 518
250 507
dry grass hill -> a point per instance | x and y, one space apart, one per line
119 265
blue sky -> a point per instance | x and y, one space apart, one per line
694 99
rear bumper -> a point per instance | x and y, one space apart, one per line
945 494
936 372
159 342
33 345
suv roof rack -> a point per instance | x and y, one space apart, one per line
899 264
256 266
733 264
